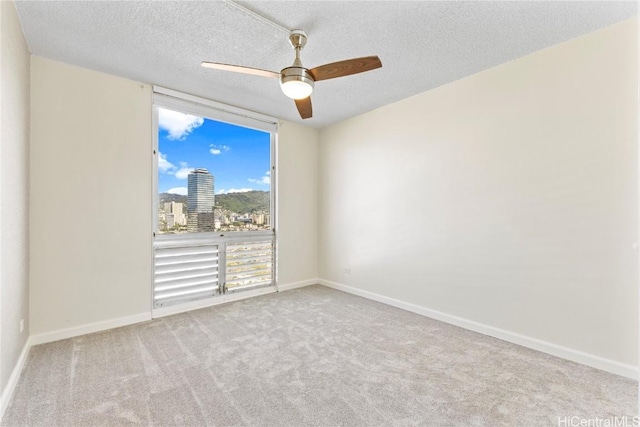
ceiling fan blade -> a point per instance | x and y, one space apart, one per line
240 69
345 68
304 107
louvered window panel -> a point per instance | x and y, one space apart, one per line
185 273
249 265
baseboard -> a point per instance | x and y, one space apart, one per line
7 393
89 328
209 302
300 284
577 356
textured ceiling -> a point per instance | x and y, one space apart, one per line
422 45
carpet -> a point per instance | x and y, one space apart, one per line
306 357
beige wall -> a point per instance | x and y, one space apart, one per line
91 200
297 226
90 196
14 189
508 198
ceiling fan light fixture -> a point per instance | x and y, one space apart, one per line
296 89
296 83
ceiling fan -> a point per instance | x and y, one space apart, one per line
296 81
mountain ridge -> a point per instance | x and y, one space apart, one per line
240 203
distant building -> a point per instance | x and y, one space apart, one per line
178 215
200 221
200 192
200 201
170 220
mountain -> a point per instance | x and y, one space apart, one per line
168 198
251 201
241 203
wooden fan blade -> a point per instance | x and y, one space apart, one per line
345 68
304 107
240 69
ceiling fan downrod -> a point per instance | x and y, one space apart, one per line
296 81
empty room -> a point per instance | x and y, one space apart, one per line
319 213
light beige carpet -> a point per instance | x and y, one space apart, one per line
306 357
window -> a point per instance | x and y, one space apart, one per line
212 176
213 210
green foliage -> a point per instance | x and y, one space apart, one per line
240 203
168 198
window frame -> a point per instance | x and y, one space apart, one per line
201 107
171 99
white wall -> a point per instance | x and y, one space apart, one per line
14 189
91 198
508 198
297 226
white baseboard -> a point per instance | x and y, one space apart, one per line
221 299
7 393
195 305
89 328
577 356
300 284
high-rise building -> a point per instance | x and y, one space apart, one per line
200 192
200 201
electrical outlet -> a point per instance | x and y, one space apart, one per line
347 271
21 325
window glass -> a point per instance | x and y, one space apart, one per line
212 176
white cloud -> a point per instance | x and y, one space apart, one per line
234 190
218 149
265 180
179 125
164 165
184 171
178 190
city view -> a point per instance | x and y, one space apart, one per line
227 174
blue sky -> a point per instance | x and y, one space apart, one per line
237 157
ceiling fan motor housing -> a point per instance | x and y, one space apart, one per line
296 82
